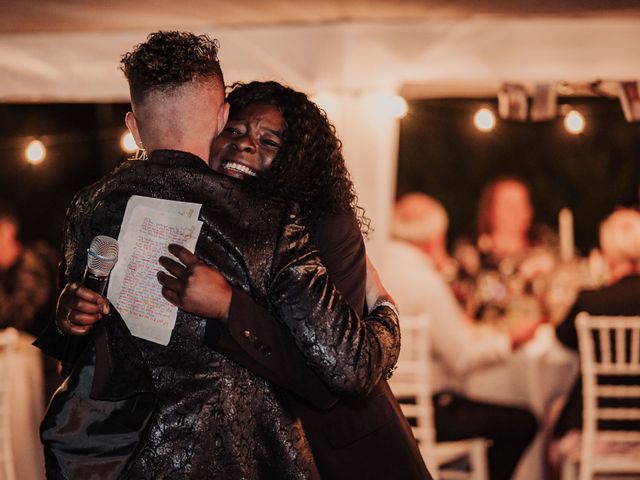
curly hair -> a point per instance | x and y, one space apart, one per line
309 167
168 59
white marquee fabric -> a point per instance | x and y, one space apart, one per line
352 63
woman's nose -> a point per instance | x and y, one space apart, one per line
245 143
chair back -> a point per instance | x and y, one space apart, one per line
610 363
410 383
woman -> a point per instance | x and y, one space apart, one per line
502 276
279 137
283 143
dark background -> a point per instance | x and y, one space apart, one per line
441 153
444 155
82 141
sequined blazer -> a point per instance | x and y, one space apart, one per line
135 409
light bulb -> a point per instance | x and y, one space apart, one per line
574 122
35 152
484 120
128 143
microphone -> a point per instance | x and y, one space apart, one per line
102 255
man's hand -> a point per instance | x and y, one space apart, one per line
79 308
194 287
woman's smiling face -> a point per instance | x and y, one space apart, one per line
249 142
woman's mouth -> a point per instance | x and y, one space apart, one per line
239 168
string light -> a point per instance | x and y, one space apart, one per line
574 122
35 152
387 106
128 143
397 106
484 120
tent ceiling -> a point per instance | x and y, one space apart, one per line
121 15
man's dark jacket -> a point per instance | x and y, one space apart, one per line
620 298
245 423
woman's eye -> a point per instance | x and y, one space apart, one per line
271 143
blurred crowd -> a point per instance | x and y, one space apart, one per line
491 296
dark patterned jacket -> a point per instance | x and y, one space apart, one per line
134 409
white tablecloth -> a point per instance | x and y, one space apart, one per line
26 404
535 376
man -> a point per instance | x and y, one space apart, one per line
620 245
419 226
202 415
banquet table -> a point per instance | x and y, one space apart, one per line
535 376
23 382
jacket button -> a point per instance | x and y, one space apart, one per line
246 333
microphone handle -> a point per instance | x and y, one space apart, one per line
93 282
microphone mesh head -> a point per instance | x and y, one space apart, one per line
102 255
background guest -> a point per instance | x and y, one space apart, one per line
620 244
26 278
458 347
504 275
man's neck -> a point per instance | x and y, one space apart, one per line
199 150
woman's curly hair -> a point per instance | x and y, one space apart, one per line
309 167
169 59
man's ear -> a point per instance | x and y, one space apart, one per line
132 124
223 116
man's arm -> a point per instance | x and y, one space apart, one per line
566 331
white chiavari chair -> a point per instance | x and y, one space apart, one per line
411 386
610 363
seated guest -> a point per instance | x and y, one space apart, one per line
419 227
26 278
620 244
503 275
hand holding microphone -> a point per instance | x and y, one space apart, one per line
81 304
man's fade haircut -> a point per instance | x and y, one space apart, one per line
169 59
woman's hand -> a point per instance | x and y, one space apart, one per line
374 288
79 308
194 286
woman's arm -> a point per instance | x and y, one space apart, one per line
350 354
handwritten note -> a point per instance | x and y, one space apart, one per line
151 225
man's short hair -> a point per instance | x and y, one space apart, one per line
418 218
169 59
620 235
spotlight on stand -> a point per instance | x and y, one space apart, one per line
629 95
512 102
